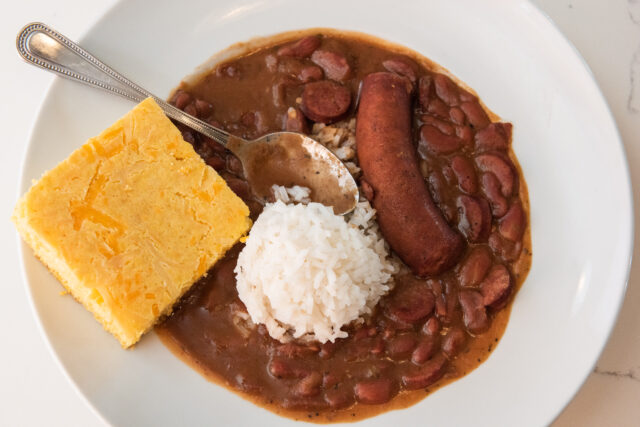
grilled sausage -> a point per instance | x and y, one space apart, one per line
325 101
408 217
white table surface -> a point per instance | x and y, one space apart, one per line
33 390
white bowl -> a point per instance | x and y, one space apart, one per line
522 68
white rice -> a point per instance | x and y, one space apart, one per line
305 272
291 194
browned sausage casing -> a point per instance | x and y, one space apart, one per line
409 220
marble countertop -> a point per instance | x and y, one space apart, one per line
607 34
34 392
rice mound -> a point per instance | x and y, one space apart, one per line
305 272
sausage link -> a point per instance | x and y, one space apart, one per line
409 220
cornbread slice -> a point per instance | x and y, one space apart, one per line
131 220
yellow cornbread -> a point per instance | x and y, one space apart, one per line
131 220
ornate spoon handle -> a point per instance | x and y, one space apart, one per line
50 50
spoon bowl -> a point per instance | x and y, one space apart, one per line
280 158
288 159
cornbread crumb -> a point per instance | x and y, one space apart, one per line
131 220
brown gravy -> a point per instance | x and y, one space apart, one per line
309 381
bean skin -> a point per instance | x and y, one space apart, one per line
454 342
301 48
425 375
375 392
475 267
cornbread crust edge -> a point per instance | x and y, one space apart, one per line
130 220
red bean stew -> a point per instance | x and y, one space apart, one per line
459 182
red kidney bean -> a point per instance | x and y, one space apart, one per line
367 189
447 90
301 48
295 121
496 287
334 65
411 302
443 126
457 116
466 96
425 375
203 108
431 327
295 68
310 73
339 398
181 99
475 267
439 108
239 186
389 332
325 101
513 223
475 114
475 218
465 174
204 150
279 368
188 136
234 165
216 162
424 351
424 91
401 66
474 314
491 188
400 347
502 168
465 134
364 332
216 147
191 110
294 351
215 123
505 249
496 136
436 142
454 342
378 346
309 386
441 306
375 392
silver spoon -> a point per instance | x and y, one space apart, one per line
282 158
